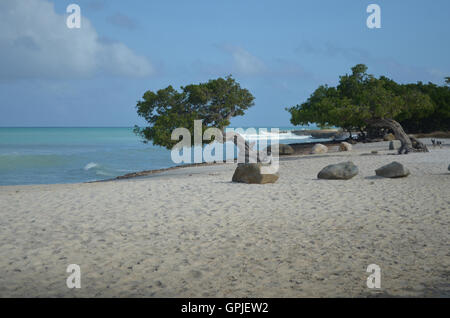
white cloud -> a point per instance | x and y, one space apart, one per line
244 62
36 43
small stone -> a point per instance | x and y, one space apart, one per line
196 274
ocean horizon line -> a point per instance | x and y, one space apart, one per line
131 127
66 126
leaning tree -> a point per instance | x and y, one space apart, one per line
214 102
359 101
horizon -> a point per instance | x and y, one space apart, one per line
53 76
291 126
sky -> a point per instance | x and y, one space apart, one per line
281 51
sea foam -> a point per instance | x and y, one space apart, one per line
90 165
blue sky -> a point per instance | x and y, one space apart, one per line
280 50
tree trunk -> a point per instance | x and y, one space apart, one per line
406 144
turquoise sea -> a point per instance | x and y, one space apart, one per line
69 155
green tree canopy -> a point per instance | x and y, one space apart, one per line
360 100
215 102
439 118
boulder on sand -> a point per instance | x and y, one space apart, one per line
251 173
319 148
393 170
283 149
345 146
340 171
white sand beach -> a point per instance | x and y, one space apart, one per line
192 233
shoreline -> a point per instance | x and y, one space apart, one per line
299 148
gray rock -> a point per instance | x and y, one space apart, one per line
283 149
319 148
340 171
392 170
251 173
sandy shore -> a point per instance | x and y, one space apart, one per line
192 233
